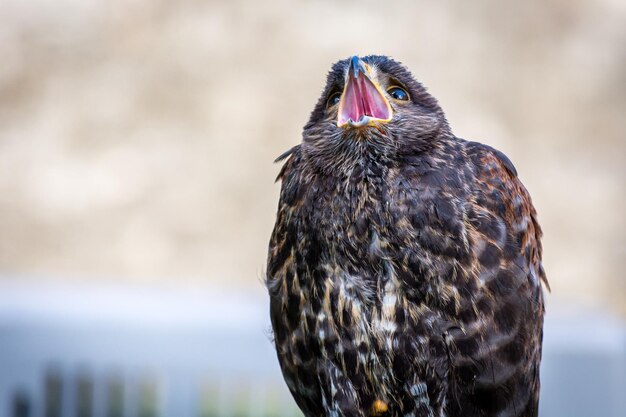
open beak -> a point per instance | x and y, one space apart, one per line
362 101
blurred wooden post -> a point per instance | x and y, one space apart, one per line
114 398
84 396
21 406
53 393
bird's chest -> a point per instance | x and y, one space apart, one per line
353 320
356 286
352 297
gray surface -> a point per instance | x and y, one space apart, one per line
184 340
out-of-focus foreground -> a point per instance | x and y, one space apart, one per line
104 351
137 137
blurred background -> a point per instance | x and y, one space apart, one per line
137 189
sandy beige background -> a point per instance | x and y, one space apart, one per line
137 137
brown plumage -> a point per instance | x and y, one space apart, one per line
404 269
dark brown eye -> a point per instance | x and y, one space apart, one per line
334 99
398 93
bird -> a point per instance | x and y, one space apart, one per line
404 270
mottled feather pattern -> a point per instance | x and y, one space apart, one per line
404 269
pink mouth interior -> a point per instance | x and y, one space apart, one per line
361 98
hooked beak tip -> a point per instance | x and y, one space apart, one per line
356 66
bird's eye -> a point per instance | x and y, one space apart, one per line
333 99
398 93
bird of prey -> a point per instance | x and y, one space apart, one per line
404 269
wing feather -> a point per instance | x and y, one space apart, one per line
496 354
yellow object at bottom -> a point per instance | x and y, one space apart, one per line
379 407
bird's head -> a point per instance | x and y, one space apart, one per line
371 107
